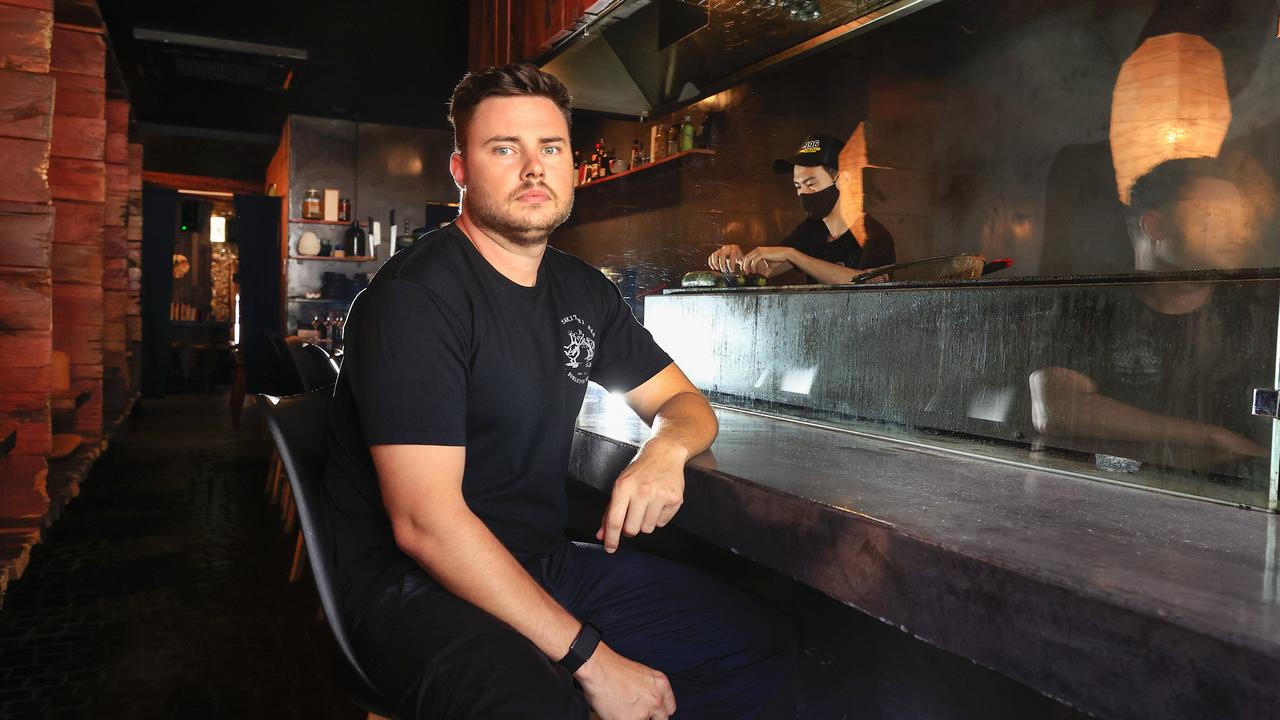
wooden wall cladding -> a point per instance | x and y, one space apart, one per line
26 235
77 329
78 51
25 34
77 264
78 223
26 105
26 175
26 238
25 300
77 179
78 183
46 5
115 241
77 137
117 151
133 237
77 95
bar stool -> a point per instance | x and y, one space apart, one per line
299 425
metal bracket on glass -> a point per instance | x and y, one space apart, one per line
1266 402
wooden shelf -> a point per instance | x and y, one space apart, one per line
655 164
349 258
301 221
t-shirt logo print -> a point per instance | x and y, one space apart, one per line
580 349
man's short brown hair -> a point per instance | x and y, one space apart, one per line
503 81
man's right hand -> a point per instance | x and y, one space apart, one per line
619 689
1235 444
727 259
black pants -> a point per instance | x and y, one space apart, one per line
725 653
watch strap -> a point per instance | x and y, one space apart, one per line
582 647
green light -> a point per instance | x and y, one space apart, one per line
184 228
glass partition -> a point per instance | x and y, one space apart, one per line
1133 379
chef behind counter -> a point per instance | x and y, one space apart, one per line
823 246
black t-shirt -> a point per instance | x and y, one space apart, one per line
1197 366
810 237
442 349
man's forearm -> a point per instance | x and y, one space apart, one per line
1088 414
469 561
685 424
823 271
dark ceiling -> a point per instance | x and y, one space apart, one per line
387 61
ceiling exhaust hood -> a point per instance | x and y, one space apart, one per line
643 58
217 60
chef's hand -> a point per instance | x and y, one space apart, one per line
1235 444
757 261
726 258
646 495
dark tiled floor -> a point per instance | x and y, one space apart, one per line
162 590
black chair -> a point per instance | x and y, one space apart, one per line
315 367
276 371
300 425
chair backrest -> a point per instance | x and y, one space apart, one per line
300 426
279 375
315 366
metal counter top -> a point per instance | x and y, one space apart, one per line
1120 602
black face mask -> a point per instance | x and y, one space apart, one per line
818 205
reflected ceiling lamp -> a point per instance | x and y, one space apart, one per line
1170 101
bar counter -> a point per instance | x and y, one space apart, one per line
1120 602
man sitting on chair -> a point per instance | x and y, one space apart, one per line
466 365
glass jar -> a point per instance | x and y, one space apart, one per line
311 205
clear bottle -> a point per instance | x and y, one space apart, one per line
673 139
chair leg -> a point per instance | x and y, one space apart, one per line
299 558
290 510
273 476
279 486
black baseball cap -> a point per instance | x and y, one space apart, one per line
814 151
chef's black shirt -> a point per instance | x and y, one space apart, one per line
811 238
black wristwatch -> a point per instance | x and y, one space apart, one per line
581 649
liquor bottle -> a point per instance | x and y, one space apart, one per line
686 134
673 139
635 154
657 142
356 240
577 168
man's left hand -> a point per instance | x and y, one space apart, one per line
646 495
757 261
